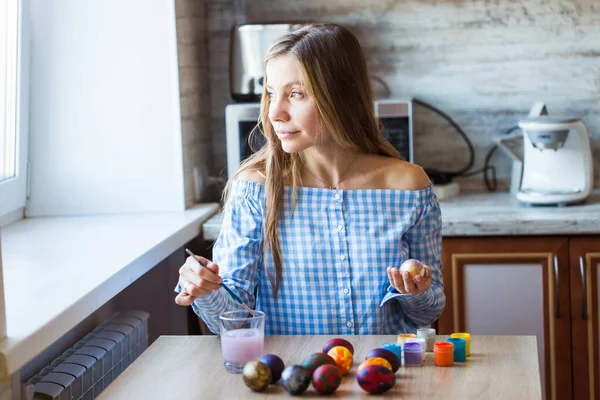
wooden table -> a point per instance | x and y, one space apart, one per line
190 367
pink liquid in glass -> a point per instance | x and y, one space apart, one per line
242 345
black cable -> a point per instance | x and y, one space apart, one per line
444 177
448 175
487 167
388 91
490 182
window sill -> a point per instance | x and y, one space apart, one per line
58 271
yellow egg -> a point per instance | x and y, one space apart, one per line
375 361
342 357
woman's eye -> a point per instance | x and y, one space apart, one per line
296 95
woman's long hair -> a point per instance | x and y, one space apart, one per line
336 76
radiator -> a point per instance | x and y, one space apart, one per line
84 370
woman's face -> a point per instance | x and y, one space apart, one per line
292 111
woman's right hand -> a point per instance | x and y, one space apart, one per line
197 281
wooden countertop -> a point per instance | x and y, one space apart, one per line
190 367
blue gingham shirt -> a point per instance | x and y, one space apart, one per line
336 246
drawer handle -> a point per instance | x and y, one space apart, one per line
583 289
557 287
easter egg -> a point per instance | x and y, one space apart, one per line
338 342
326 379
375 361
315 360
388 355
257 375
412 266
275 364
342 357
295 379
376 379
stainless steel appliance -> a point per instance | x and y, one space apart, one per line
396 117
249 45
240 119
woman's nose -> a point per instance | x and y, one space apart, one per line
278 111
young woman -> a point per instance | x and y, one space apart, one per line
318 221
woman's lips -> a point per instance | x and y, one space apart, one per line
285 134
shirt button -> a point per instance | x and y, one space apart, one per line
336 196
349 324
340 227
343 257
346 290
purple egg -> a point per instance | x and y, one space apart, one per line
275 364
386 354
338 342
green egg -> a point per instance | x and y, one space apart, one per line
315 360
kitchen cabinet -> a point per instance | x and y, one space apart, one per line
530 286
585 313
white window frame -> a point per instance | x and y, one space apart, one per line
13 191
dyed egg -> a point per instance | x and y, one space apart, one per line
338 342
275 364
342 357
315 360
295 379
257 375
376 379
375 361
326 379
388 355
412 266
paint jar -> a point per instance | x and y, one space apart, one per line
460 348
394 348
417 340
429 335
414 355
465 336
403 336
443 354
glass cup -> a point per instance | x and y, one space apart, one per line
242 338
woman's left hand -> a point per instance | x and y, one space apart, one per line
407 285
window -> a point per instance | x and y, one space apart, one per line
8 40
13 106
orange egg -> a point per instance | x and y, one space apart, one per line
342 357
375 361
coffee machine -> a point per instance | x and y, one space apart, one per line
557 160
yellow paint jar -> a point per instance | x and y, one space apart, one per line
403 336
467 337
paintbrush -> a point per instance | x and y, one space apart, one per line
231 292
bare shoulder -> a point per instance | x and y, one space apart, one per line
251 175
404 175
